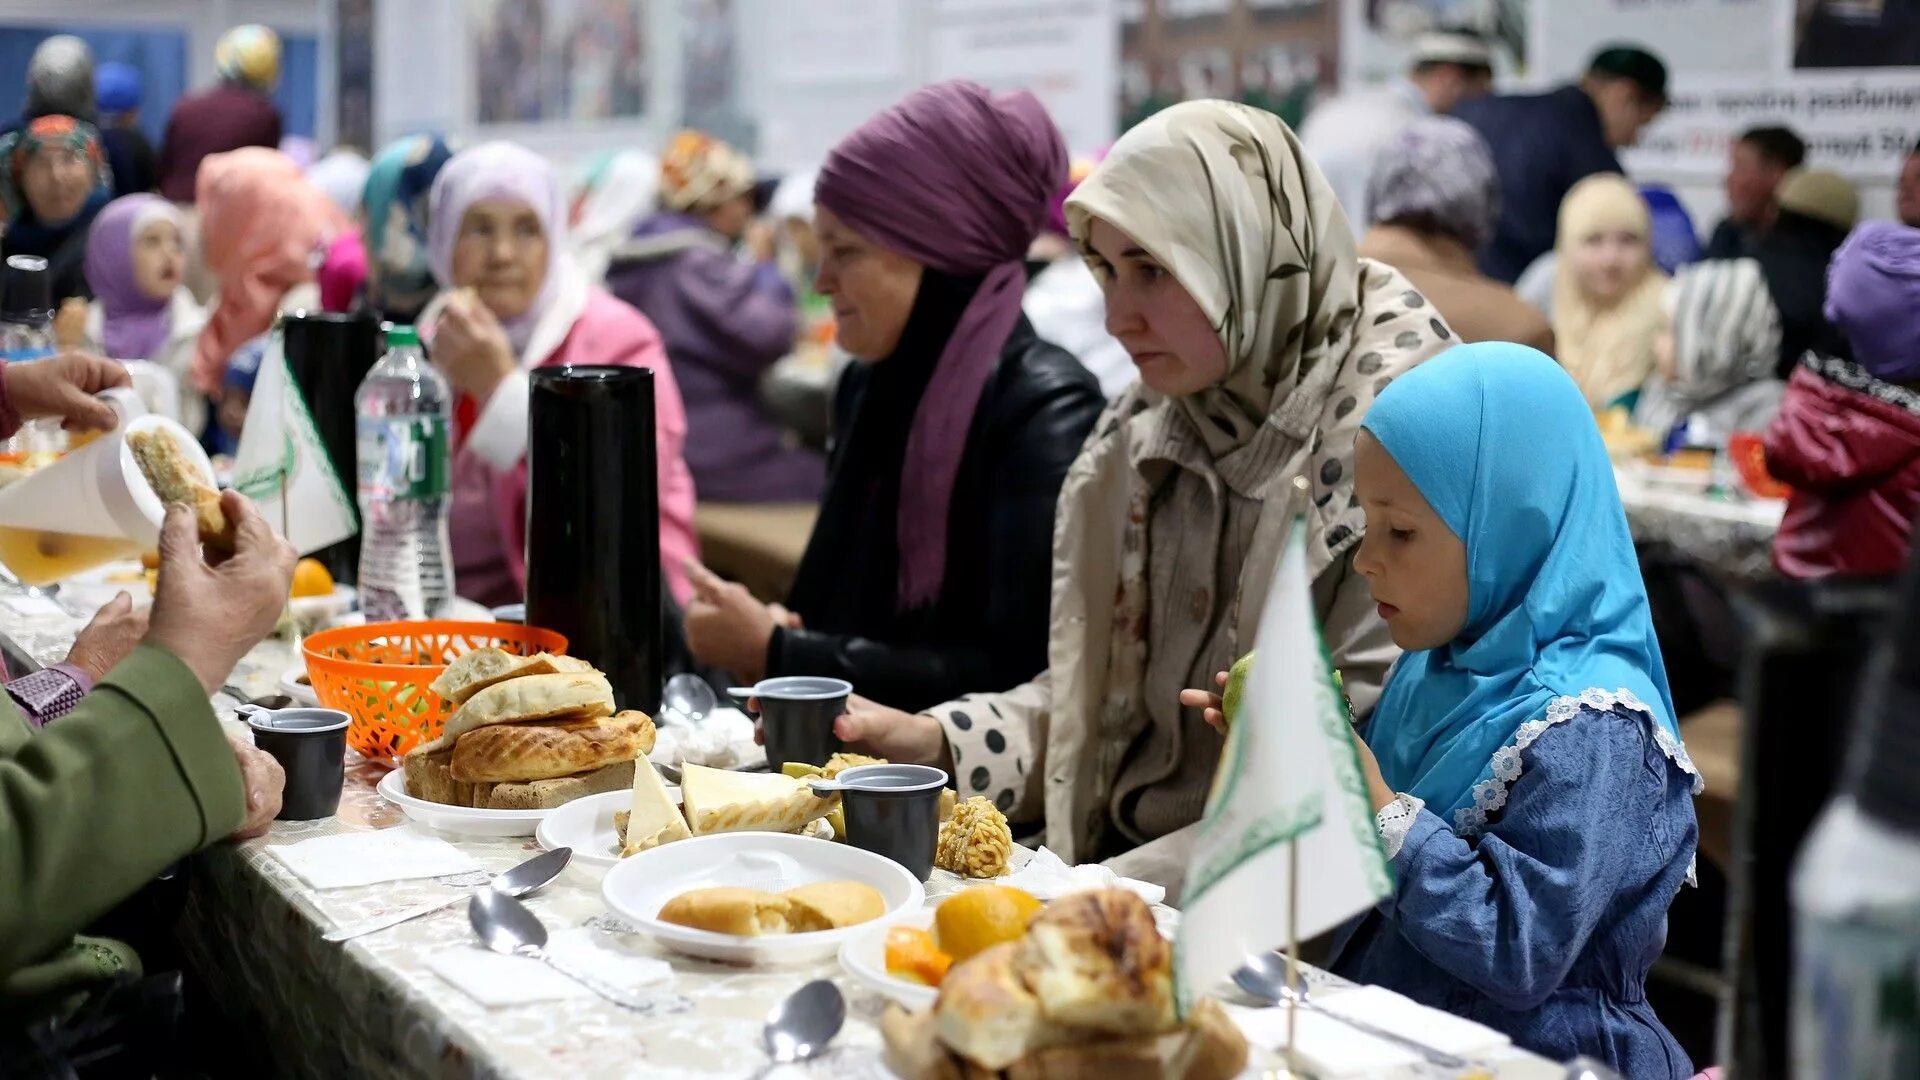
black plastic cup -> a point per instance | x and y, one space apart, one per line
796 716
893 810
311 746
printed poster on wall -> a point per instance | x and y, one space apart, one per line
1065 52
1376 36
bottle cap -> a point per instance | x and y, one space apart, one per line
399 334
26 289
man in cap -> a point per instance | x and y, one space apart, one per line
1543 144
1758 161
238 112
117 93
1346 133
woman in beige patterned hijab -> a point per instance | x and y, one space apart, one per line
1260 337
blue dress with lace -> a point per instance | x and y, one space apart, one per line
1542 921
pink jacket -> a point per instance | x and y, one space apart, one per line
490 503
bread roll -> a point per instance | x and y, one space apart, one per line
532 697
175 480
833 905
726 910
481 668
986 1015
1095 960
543 749
914 1052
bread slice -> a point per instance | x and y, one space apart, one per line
481 668
832 905
543 749
728 910
660 819
531 697
175 480
719 800
547 794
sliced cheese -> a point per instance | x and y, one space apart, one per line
654 819
721 801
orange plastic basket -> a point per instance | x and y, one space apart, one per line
379 674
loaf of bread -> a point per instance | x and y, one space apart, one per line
571 694
175 480
1096 960
429 776
543 749
728 910
986 1014
481 668
1208 1047
832 905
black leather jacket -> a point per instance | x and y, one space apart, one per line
987 630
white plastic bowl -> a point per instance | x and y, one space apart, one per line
864 957
637 888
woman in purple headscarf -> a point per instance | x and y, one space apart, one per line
926 575
136 266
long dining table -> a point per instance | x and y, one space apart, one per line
252 932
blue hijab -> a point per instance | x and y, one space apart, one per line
1503 446
399 179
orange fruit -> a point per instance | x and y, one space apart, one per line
982 917
912 955
311 579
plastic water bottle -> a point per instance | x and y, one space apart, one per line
404 412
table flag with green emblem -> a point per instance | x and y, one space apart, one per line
282 465
1289 775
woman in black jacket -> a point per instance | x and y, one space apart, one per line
927 573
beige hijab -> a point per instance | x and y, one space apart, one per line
1608 350
1223 197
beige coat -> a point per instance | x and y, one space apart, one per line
1476 306
1064 766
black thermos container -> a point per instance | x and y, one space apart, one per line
593 523
328 355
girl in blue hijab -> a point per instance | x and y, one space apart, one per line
1530 782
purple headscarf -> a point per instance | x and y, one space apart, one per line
498 170
955 178
133 325
1873 297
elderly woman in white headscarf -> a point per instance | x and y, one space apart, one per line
1260 336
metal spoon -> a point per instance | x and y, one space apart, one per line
1264 977
507 927
1585 1068
800 1027
523 880
689 697
265 701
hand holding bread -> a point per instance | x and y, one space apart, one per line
210 616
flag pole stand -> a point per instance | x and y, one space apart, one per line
296 641
1293 952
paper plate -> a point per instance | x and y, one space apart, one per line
638 887
586 826
458 819
864 957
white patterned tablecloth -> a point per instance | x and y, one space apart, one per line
372 1008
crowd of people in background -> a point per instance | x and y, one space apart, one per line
1068 401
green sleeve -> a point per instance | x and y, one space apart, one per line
91 808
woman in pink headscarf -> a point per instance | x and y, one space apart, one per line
515 301
264 230
927 571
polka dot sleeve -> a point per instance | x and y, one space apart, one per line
993 738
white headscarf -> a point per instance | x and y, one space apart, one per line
342 174
1726 334
614 199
